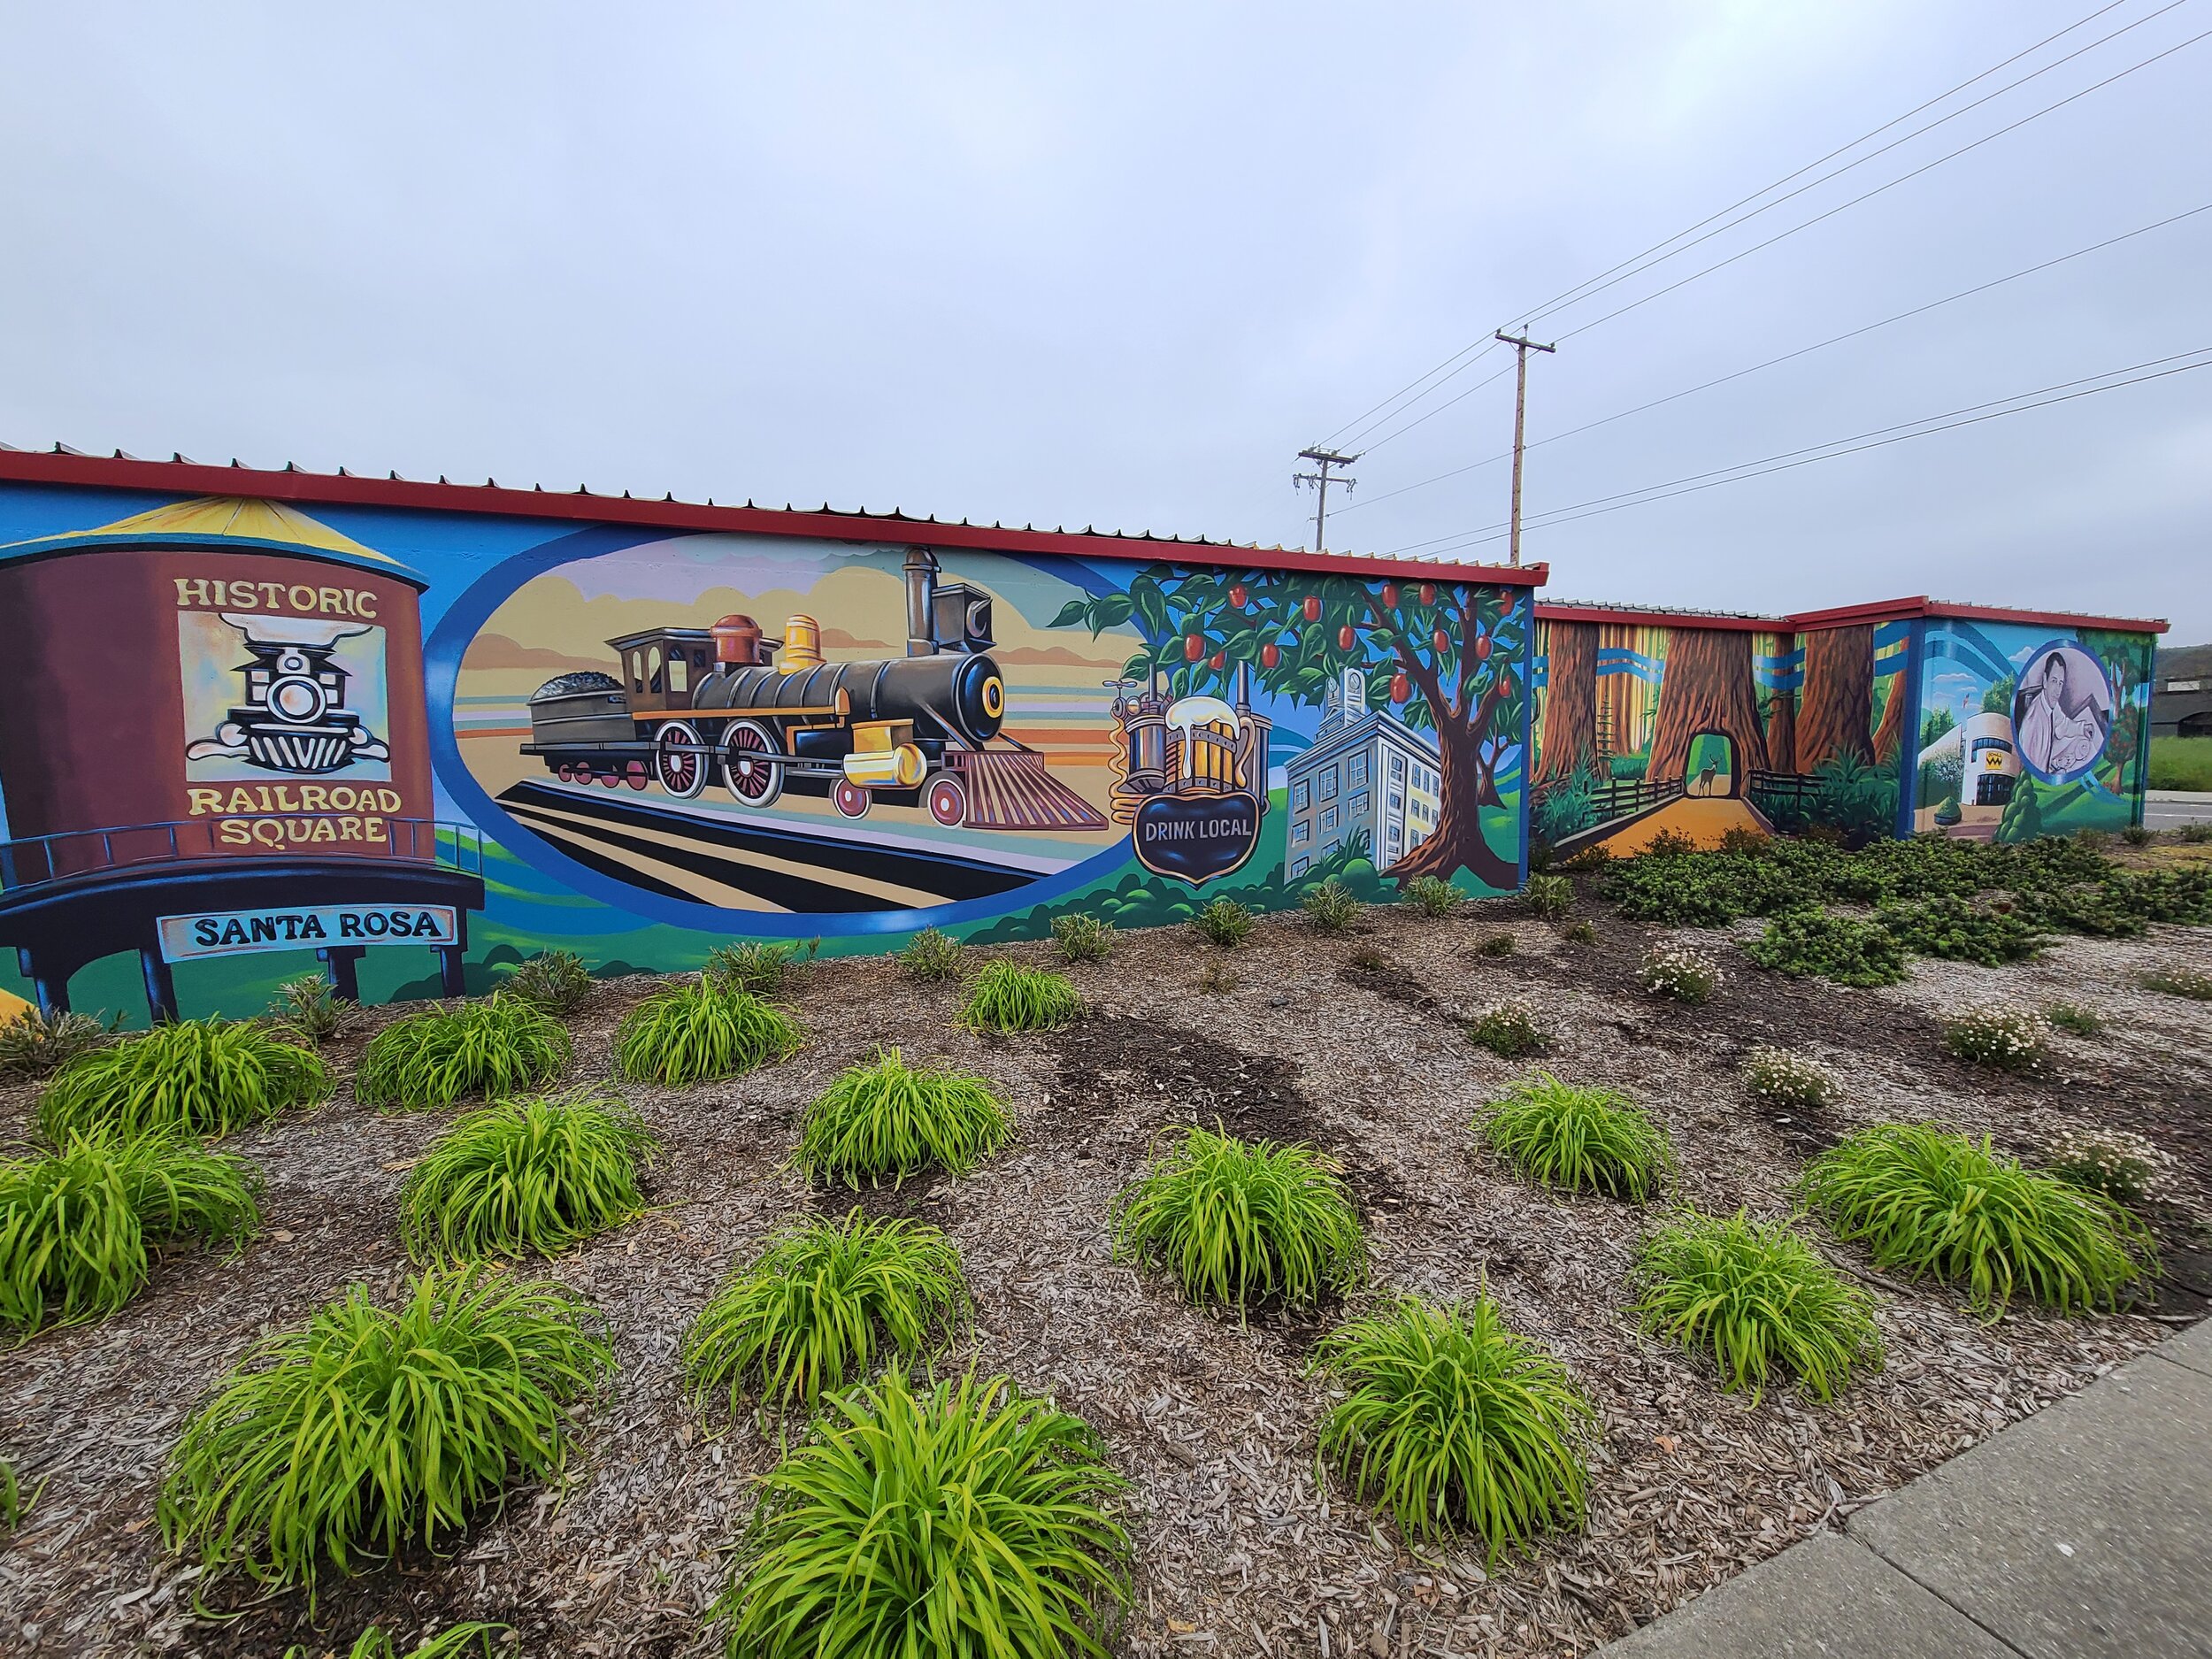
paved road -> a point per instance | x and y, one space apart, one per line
2083 1532
2173 813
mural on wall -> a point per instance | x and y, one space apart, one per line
407 749
2027 731
1696 732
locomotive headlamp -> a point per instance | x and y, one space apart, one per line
993 697
296 699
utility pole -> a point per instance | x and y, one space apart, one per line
1325 459
1522 346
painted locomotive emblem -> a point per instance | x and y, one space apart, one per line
292 717
1193 775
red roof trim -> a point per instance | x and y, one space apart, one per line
190 477
1889 610
1632 616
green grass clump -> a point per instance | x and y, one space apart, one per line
497 1047
523 1177
1592 1138
1758 1298
1224 922
1432 896
2195 834
2188 982
1551 897
1329 906
2075 1019
368 1428
890 1120
79 1228
1509 1031
1496 945
1940 1206
1082 937
472 1637
13 1505
310 1006
556 980
762 968
1456 1423
194 1077
34 1042
962 1518
931 955
815 1310
1237 1223
701 1028
1007 997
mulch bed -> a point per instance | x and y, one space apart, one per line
1347 1042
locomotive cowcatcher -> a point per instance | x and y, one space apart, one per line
762 716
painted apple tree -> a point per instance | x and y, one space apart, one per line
1445 657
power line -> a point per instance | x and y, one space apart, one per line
1588 289
1483 346
1851 334
1832 449
1880 189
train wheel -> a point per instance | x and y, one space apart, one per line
751 768
634 775
583 772
566 773
610 779
849 798
948 802
679 760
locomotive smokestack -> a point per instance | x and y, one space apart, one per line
921 602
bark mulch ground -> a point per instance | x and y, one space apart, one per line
1348 1042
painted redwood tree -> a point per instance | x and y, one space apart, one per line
1709 687
1445 657
1570 735
1839 699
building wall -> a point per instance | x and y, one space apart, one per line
1067 734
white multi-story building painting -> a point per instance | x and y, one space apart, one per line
1366 770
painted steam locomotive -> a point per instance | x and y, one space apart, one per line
769 714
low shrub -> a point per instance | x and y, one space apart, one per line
815 1308
1583 1140
954 1518
1580 932
427 1061
1455 1421
931 955
2075 1019
1329 906
368 1429
1218 978
2195 834
194 1077
1495 945
36 1043
310 1007
1242 1224
1007 997
2124 1167
1959 931
1551 897
1783 1079
1931 1204
2189 982
1432 896
2135 835
1082 937
1679 973
1835 948
1509 1031
556 980
1757 1298
524 1177
761 968
2010 1039
890 1120
1224 922
80 1228
701 1028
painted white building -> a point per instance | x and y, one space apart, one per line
1366 770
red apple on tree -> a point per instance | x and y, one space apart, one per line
1482 648
1237 594
1346 637
1312 608
1428 593
1271 655
1401 687
1442 640
1390 595
1215 661
1193 648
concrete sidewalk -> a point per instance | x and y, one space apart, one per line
2086 1530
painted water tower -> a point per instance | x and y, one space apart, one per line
217 746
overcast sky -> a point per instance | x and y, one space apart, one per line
1115 265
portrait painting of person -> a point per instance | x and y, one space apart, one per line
2065 712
